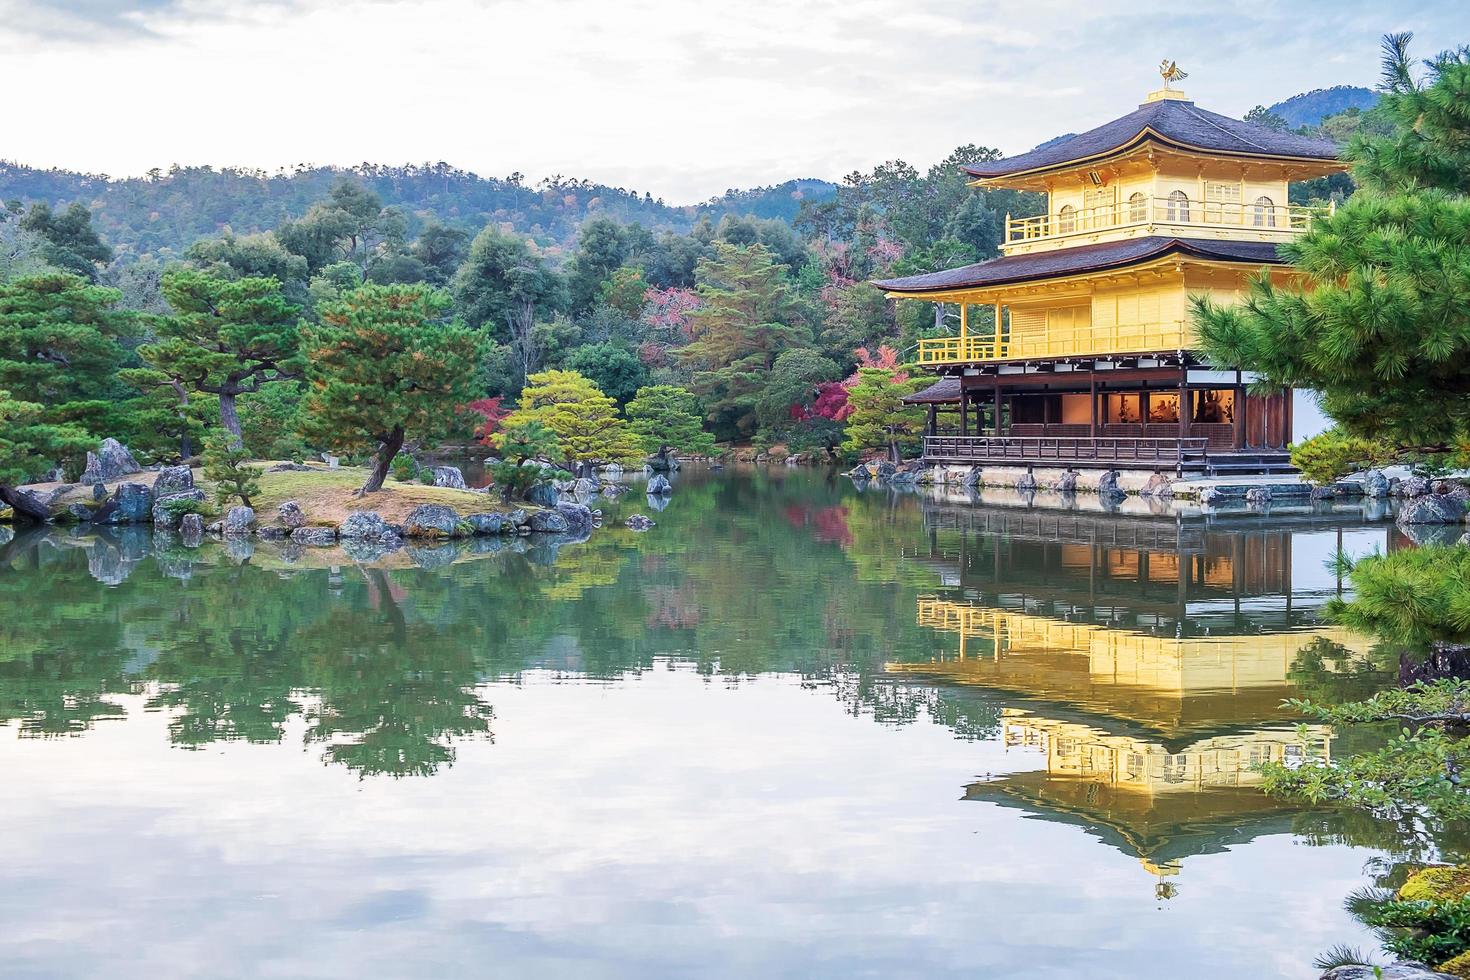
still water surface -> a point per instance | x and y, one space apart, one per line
795 730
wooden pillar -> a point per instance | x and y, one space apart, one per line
1286 395
1183 401
933 419
1092 391
964 410
997 401
998 352
1239 413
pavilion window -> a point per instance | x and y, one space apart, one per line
1124 408
1163 408
1137 206
1178 208
1265 212
1066 219
1214 405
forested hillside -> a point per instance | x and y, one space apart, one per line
168 210
1310 108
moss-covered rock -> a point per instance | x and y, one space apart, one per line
1437 884
1457 967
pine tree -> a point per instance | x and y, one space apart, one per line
877 418
746 318
29 444
1384 330
227 338
381 365
666 418
585 421
224 466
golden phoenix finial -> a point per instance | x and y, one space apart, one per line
1171 72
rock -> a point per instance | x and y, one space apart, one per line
173 479
291 514
78 513
432 521
1027 482
239 521
168 510
112 461
1411 487
440 555
885 470
543 494
613 490
449 476
579 517
1258 496
99 492
316 537
1328 492
515 519
215 528
1394 971
638 523
130 503
1375 484
613 469
1211 497
1158 485
904 478
485 524
1107 485
658 485
273 532
549 522
364 525
371 549
191 529
1067 482
240 548
973 477
1431 509
585 487
289 468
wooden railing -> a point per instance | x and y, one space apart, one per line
1182 452
1161 210
1128 338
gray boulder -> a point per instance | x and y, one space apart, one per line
580 518
1211 497
77 514
364 525
1107 485
239 521
1431 509
130 503
449 476
316 537
885 470
974 477
1027 482
549 522
658 485
289 468
273 532
1375 484
111 461
543 494
99 492
1258 496
1158 485
168 510
613 490
515 520
173 479
291 514
191 529
638 522
585 487
431 521
1411 487
486 524
1067 482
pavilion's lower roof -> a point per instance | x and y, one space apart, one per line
1081 259
945 391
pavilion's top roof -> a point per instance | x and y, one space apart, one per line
1080 259
1171 122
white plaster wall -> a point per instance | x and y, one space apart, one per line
1307 417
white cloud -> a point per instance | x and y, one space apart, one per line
680 99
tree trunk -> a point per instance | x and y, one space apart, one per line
24 505
386 451
230 420
894 456
185 449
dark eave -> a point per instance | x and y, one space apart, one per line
945 391
1081 259
1170 122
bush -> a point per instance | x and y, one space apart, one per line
224 465
513 479
404 467
1332 455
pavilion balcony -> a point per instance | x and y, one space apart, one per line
1058 342
1163 216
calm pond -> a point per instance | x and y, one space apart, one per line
795 730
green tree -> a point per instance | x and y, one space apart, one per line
602 246
225 467
383 364
585 421
502 286
61 339
665 418
29 444
879 420
745 319
70 241
259 256
351 225
441 249
226 338
1383 332
792 387
616 370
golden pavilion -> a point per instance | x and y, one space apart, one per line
1087 356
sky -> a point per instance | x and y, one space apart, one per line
679 98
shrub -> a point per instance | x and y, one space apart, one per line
224 465
1332 455
404 467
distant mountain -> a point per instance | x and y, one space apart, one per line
1310 108
168 210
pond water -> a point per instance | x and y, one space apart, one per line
795 730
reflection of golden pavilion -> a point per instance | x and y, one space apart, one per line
1158 802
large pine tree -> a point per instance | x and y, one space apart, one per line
1383 331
